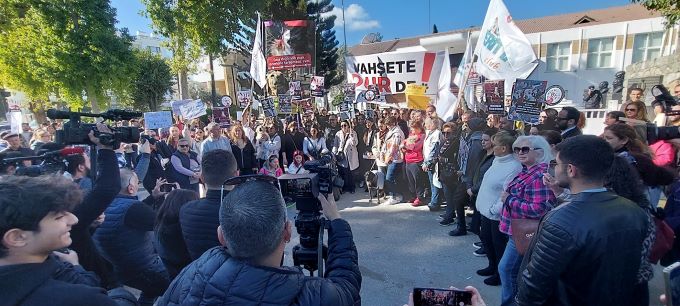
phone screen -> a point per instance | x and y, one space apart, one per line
434 297
167 187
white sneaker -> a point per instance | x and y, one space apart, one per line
393 201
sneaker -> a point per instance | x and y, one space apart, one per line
480 252
434 208
477 245
446 222
416 203
493 280
457 232
393 201
488 271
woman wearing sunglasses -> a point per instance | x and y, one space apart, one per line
345 149
186 166
271 167
525 197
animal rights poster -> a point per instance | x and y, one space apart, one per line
221 115
317 86
494 95
285 104
289 44
243 97
527 100
268 107
295 88
390 72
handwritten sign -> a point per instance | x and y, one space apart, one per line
193 109
157 120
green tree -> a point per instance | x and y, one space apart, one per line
326 43
153 79
70 48
670 9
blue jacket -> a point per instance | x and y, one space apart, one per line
129 250
218 279
199 221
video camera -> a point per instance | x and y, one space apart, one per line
663 98
304 190
76 132
52 161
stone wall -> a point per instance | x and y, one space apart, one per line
666 66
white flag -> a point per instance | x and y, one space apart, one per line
502 49
258 64
463 73
447 103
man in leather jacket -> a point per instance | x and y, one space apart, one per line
246 269
588 251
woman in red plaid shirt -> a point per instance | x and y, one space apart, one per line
525 197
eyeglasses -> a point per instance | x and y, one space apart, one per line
523 150
344 125
238 180
631 110
183 146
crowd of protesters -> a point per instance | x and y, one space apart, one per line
492 177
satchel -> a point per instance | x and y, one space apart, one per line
523 231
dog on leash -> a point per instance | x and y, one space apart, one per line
374 183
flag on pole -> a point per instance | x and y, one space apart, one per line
502 49
463 73
447 103
258 63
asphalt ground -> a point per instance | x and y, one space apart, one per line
401 247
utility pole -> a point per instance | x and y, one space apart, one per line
212 82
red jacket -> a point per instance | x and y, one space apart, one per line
413 148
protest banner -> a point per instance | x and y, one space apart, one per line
243 97
15 119
268 107
494 95
390 72
157 120
13 105
220 115
285 104
193 109
290 44
317 86
175 105
527 100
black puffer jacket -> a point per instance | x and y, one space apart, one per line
217 279
199 221
586 252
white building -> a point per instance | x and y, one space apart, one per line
151 43
576 50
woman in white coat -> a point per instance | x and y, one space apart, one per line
345 150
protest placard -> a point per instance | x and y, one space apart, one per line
220 115
285 104
193 109
225 101
243 97
494 96
295 88
268 107
527 100
317 86
157 120
290 44
554 95
176 105
15 119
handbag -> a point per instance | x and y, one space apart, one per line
340 157
664 237
523 231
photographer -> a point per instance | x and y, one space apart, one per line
246 269
149 166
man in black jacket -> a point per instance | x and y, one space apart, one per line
567 121
199 218
588 251
35 220
246 269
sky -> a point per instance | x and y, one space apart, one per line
402 18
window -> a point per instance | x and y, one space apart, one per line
156 50
647 46
557 58
600 52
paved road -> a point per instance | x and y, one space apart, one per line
401 247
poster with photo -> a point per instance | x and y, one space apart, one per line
306 105
268 107
289 44
243 97
295 88
285 104
220 115
494 94
317 86
527 100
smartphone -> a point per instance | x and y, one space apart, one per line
434 296
168 187
671 276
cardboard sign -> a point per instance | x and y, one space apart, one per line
317 86
268 107
243 97
494 95
193 109
527 100
157 120
285 104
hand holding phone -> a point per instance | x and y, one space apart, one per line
167 187
434 296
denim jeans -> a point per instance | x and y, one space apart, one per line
434 200
394 170
508 269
